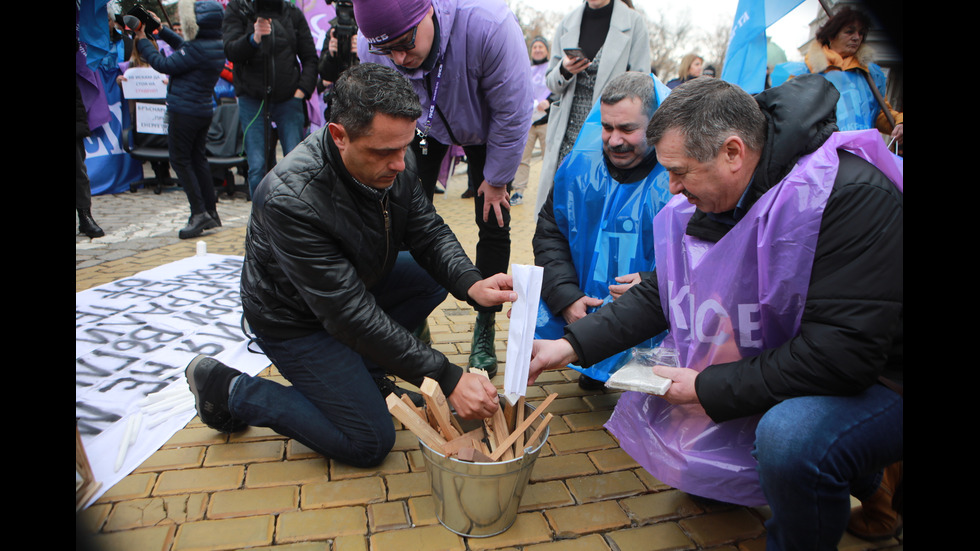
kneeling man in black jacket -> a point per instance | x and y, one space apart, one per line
344 258
779 276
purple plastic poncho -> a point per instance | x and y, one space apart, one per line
726 301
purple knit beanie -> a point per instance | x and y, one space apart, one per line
384 20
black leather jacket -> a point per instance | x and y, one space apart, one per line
851 331
318 241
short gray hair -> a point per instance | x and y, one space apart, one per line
631 84
707 111
364 90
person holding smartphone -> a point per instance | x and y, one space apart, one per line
597 41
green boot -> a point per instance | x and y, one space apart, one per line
482 353
422 332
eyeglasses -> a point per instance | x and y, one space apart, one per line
400 47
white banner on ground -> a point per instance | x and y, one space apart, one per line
133 339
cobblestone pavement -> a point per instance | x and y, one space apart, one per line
256 489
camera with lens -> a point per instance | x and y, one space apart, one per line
269 9
138 18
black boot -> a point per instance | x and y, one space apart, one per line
214 216
196 225
87 225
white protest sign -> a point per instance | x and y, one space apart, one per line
151 118
143 83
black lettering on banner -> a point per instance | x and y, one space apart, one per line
132 337
92 420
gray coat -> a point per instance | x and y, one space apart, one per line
627 48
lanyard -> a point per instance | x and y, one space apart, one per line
423 132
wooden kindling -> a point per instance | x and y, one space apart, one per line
496 440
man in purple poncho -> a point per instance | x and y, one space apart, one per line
780 278
467 61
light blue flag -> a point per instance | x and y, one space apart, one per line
745 60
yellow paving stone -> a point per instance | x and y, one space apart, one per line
605 486
199 480
656 537
390 515
566 405
422 510
244 452
592 542
300 546
583 441
298 450
405 440
319 524
602 402
302 471
613 459
141 513
725 527
349 543
565 466
528 528
130 487
394 463
401 486
545 495
660 506
423 538
589 420
415 460
252 434
196 436
225 534
252 502
585 519
355 491
91 519
649 481
173 458
156 538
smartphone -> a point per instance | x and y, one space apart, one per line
574 53
151 24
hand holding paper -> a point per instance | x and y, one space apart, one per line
494 290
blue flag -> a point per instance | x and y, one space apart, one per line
745 60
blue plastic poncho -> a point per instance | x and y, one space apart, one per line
857 107
608 225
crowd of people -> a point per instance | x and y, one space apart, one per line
667 216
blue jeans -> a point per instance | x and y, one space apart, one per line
815 451
289 118
334 406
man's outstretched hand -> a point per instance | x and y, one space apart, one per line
493 291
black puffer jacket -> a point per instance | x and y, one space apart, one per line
851 330
318 241
292 65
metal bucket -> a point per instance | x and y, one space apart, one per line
479 500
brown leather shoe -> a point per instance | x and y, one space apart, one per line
876 519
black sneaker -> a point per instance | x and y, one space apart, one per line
209 381
588 383
387 386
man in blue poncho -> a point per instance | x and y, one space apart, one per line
594 235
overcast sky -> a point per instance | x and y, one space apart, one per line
789 33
